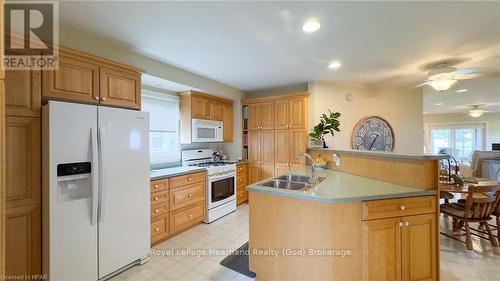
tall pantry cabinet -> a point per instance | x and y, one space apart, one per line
274 132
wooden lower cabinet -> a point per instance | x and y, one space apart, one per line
259 172
241 183
177 203
401 248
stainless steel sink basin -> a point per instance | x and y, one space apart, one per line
295 178
284 184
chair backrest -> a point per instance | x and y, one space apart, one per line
481 207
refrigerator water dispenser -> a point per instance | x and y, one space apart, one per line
73 181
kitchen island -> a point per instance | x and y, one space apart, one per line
351 226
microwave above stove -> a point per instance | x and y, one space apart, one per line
207 131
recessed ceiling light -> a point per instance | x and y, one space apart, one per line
439 103
334 65
311 25
462 91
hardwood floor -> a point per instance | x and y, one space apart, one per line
457 263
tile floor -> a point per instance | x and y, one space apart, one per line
231 232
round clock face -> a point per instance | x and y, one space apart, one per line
373 133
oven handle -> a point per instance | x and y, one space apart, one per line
212 179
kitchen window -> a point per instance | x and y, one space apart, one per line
164 145
459 140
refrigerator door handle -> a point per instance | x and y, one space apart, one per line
99 207
95 176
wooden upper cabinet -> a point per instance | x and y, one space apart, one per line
253 116
215 111
23 92
381 250
120 88
76 80
281 114
227 119
297 113
199 108
419 247
23 150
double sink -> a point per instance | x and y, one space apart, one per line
292 182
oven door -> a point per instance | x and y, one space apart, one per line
207 131
221 190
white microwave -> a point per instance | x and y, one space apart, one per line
207 131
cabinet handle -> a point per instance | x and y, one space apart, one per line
156 211
156 198
241 195
240 180
157 186
189 179
103 99
190 195
400 224
402 207
407 223
190 216
157 229
96 97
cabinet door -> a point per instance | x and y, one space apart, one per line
381 249
23 237
199 108
254 147
419 250
298 144
266 172
253 117
23 175
23 92
76 80
281 170
297 113
227 119
282 149
215 111
120 88
281 114
253 173
267 148
266 116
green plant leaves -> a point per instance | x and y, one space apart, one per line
328 124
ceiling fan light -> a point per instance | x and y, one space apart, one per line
475 113
442 85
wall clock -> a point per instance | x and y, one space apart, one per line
373 133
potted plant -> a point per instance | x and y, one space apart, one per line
328 124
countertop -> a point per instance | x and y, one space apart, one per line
174 171
341 187
384 154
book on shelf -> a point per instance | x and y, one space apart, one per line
245 112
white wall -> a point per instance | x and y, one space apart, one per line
492 121
401 107
105 47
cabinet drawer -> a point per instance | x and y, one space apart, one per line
159 197
241 196
187 195
158 185
241 180
159 229
398 207
159 209
241 169
186 179
186 217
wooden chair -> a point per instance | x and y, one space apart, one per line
481 202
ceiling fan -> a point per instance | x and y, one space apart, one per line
476 111
443 75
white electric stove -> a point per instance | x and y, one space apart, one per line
221 182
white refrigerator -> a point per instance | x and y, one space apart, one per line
95 190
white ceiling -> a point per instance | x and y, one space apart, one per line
484 91
256 45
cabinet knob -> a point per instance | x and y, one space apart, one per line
240 180
103 99
402 207
407 223
190 195
157 186
190 216
241 195
189 179
157 229
400 224
96 97
156 211
156 198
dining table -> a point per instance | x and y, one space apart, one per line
460 189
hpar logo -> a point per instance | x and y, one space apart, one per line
31 35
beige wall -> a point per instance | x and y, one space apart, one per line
402 107
283 90
492 121
105 47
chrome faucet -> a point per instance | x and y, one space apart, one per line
314 179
